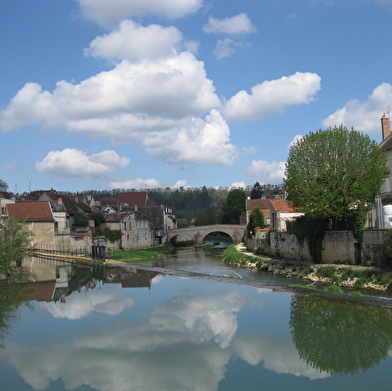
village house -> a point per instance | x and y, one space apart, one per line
135 230
162 218
39 219
66 207
280 212
263 204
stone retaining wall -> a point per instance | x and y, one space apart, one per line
337 247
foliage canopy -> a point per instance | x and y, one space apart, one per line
333 172
256 192
336 348
209 216
14 244
234 206
256 220
3 186
80 220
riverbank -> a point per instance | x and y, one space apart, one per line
345 276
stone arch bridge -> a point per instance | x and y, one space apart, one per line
197 234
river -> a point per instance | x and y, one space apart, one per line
121 328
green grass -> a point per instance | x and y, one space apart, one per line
136 256
333 289
231 256
308 286
356 293
360 282
326 271
307 270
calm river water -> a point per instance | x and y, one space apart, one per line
125 329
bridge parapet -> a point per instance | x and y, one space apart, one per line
197 234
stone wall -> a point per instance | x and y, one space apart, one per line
337 247
372 240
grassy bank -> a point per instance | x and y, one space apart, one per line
232 256
137 256
345 276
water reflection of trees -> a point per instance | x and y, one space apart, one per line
340 337
12 297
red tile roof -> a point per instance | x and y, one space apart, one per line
139 198
41 291
282 206
31 211
262 203
116 217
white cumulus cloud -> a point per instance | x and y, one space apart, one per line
236 25
169 88
363 116
73 163
272 97
180 183
238 185
267 172
110 13
296 138
199 142
135 184
135 42
80 306
225 48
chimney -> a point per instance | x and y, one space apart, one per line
385 126
60 200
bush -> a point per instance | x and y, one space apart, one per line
356 293
308 286
335 279
361 282
347 275
307 270
333 289
326 271
231 255
184 243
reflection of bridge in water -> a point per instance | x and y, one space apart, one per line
197 234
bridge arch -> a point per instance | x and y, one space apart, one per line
197 234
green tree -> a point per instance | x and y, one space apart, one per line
256 220
80 220
12 298
234 206
3 186
209 216
332 173
14 244
98 218
256 192
112 234
337 336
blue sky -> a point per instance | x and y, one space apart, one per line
99 94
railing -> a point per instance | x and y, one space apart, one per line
63 249
95 252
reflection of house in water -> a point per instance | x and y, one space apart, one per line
129 277
54 279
